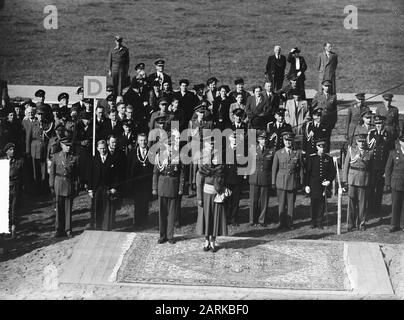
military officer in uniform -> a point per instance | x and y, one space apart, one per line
15 185
313 131
232 177
40 97
366 125
37 144
63 178
119 66
287 179
168 185
277 128
63 99
319 175
390 112
356 177
260 180
355 116
394 180
379 140
328 102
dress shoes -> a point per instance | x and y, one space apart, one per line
171 241
160 241
263 225
206 248
394 229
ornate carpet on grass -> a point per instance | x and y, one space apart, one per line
240 262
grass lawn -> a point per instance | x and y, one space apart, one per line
239 35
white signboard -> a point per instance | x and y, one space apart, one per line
4 191
95 87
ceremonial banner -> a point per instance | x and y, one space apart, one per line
4 190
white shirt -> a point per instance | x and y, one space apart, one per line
103 158
297 64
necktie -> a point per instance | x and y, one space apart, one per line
103 159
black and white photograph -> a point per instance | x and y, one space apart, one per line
168 150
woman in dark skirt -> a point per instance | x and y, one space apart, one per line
211 193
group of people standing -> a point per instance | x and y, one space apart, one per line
292 140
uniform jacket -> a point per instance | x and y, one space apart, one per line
102 174
329 105
319 132
394 173
287 170
263 166
292 70
63 174
119 59
319 168
168 178
127 143
16 175
275 133
37 139
296 115
391 123
354 117
380 143
357 168
231 176
153 77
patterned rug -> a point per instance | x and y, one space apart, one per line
240 262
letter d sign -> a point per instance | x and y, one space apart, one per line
95 87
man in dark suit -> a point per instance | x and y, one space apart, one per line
114 125
287 179
63 178
220 109
140 176
394 180
297 69
119 159
102 187
277 128
119 66
327 62
101 124
275 68
187 100
257 109
159 75
320 174
260 180
273 98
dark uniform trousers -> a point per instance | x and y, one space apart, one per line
260 183
287 175
233 203
62 177
382 141
356 173
319 168
63 221
168 181
394 176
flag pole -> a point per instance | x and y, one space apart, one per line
94 121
